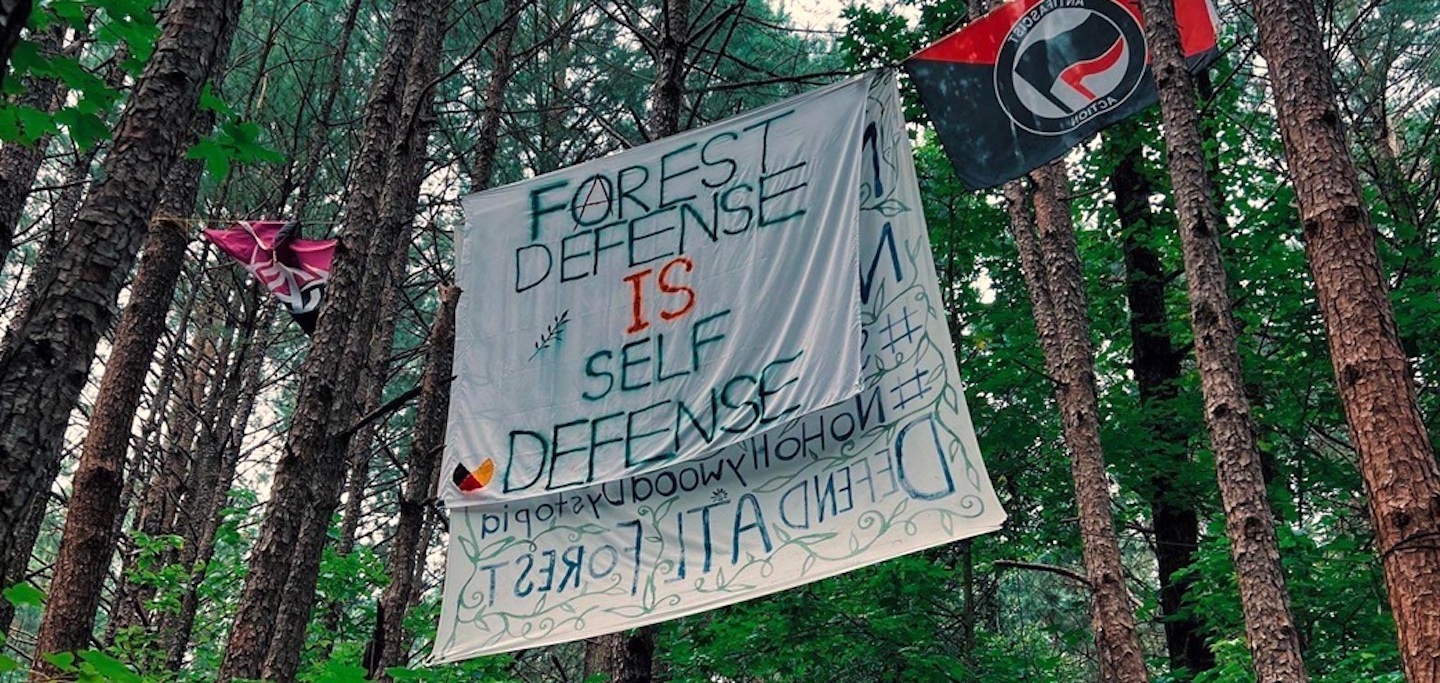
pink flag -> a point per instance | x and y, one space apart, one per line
295 270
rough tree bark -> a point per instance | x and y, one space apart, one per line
408 544
19 163
44 362
398 204
1069 356
89 539
312 467
1397 460
1157 367
1269 625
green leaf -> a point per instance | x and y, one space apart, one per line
109 668
24 595
64 661
209 102
85 129
34 123
71 12
8 664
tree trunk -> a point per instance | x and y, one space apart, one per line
407 546
1269 626
19 163
1397 460
179 626
312 468
398 206
1157 368
315 146
625 657
1072 369
44 363
89 539
486 148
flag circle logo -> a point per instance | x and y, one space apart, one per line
1066 61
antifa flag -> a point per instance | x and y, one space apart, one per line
1021 86
295 270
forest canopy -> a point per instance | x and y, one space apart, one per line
1200 350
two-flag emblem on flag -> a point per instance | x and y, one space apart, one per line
1032 79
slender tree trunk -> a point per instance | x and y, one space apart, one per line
160 499
1397 460
1157 368
1269 625
407 547
180 626
19 163
44 363
311 471
316 145
88 541
1071 364
493 99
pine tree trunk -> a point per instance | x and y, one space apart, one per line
1072 369
488 144
19 163
1269 625
1397 460
180 626
44 363
407 546
89 540
312 470
315 145
1157 368
622 657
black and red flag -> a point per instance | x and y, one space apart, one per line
1019 87
294 269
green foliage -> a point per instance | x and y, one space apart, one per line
233 140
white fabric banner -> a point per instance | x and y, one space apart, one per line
891 470
653 306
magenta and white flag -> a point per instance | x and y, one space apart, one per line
295 270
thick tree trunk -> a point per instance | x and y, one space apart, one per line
88 542
44 363
1269 625
407 546
1157 368
1397 460
312 469
1071 364
398 205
